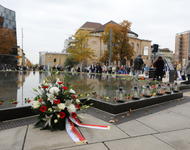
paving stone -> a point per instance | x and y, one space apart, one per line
98 146
165 121
37 139
12 139
186 94
139 143
180 140
97 135
135 128
183 109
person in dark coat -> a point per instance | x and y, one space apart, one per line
138 65
159 65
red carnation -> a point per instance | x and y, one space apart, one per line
43 108
60 82
77 106
65 87
74 96
74 115
44 87
28 101
56 101
62 115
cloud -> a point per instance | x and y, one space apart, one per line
47 23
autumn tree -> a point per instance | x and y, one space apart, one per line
78 48
121 49
7 41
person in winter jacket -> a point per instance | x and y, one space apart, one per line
138 65
159 64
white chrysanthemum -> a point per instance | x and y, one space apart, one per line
55 121
77 101
36 104
71 108
72 91
54 90
61 106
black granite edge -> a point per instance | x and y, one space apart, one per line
17 112
26 111
184 86
134 104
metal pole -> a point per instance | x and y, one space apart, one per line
110 48
22 48
22 37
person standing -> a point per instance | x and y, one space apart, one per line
159 65
178 69
138 65
188 72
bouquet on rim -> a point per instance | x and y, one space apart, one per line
57 105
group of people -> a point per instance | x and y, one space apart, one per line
158 65
138 67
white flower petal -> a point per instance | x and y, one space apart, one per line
54 90
61 106
71 108
72 91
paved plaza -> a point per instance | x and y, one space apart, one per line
161 127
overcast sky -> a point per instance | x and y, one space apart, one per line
47 23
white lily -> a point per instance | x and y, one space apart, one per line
72 91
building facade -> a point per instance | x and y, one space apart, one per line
8 39
182 47
50 59
165 52
96 43
8 18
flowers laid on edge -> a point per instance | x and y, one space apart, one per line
55 102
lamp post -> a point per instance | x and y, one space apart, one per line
110 48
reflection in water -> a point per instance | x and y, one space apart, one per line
10 82
19 85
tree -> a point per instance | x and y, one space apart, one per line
70 62
121 48
78 48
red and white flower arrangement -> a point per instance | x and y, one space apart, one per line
57 105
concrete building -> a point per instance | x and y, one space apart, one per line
95 41
51 59
182 47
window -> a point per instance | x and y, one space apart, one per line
146 50
54 60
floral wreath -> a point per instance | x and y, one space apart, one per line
57 105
